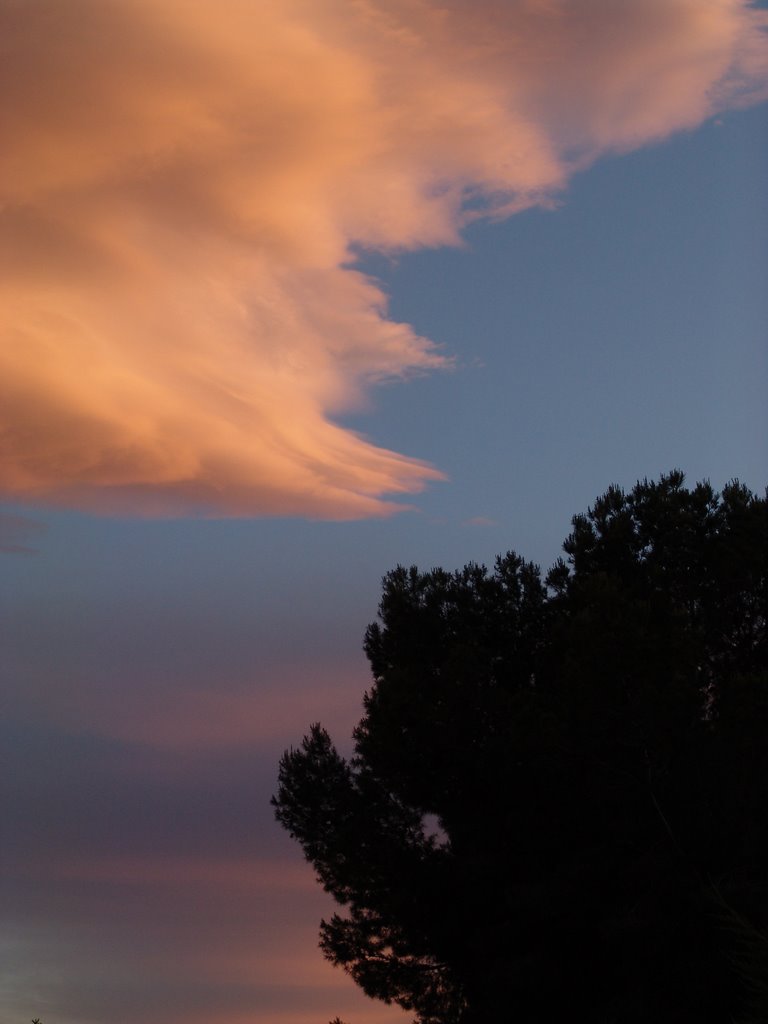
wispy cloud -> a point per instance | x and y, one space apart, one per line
128 890
16 533
183 185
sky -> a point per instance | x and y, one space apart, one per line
291 293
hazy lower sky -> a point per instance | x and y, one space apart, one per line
292 292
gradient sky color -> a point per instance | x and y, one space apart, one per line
263 281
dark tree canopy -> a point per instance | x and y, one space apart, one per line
557 808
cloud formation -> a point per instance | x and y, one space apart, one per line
183 186
138 896
16 532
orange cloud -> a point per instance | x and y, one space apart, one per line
182 185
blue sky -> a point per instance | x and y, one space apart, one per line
618 336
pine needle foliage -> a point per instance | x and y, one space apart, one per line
549 772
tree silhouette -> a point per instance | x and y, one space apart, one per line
556 808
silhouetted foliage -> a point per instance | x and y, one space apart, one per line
556 808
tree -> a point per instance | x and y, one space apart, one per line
556 807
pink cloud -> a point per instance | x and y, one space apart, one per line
191 939
191 719
182 185
216 719
480 521
294 876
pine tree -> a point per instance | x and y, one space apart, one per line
553 776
